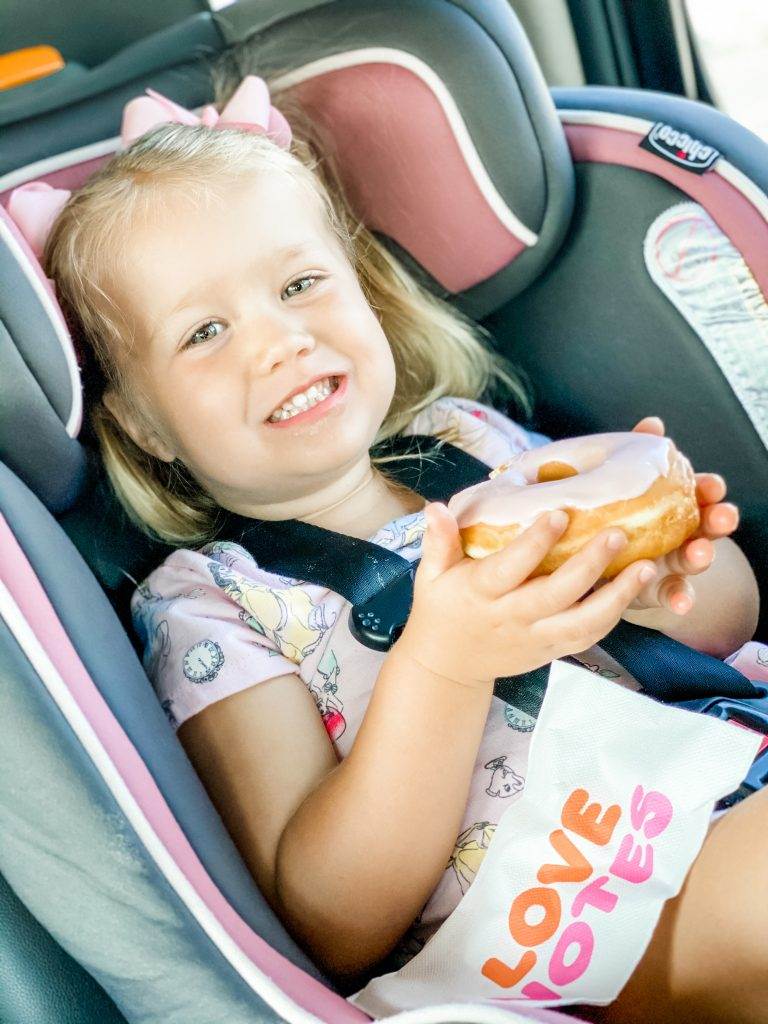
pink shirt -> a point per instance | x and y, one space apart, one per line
213 623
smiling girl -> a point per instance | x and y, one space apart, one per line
256 344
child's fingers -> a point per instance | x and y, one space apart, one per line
591 619
497 574
547 595
718 520
650 425
441 546
710 487
692 557
672 592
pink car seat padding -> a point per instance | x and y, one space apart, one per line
432 187
608 139
295 995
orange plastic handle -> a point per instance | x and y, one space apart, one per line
20 66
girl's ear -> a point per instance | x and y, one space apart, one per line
136 428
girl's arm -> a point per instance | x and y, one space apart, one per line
346 854
726 609
362 854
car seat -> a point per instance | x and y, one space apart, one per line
564 227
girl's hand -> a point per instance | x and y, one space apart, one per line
671 589
473 620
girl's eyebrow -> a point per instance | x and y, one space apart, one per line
284 254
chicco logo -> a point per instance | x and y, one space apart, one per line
680 148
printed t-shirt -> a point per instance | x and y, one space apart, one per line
212 623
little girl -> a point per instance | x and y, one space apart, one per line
256 342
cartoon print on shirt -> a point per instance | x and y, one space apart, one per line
404 533
288 617
155 636
203 661
471 846
230 552
151 597
518 720
504 780
156 653
606 673
328 703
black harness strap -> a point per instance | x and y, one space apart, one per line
379 584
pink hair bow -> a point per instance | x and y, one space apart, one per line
248 108
33 208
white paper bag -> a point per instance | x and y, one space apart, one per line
616 805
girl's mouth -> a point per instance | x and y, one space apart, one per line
315 405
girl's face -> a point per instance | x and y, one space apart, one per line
235 306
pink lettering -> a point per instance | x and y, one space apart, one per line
535 990
578 933
628 864
596 896
651 803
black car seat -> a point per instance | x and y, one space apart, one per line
534 218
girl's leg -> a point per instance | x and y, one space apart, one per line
708 960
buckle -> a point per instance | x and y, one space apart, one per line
379 621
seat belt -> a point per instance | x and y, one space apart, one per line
379 585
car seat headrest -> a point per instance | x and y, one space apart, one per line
448 146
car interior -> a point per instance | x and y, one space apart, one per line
541 166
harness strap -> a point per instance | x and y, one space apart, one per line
362 572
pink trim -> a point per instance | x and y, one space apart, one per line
418 190
20 578
35 263
71 177
731 210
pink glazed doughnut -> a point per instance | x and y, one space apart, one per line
639 482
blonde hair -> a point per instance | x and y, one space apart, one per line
437 351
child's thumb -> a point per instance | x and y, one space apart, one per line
441 547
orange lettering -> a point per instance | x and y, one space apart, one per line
505 976
532 934
576 868
583 820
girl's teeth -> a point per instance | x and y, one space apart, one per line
314 394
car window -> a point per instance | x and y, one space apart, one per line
731 40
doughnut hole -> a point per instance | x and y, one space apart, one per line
555 470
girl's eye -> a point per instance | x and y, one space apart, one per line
205 333
299 281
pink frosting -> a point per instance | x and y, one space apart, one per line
611 467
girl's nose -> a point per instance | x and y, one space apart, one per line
281 346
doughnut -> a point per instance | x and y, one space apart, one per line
638 482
